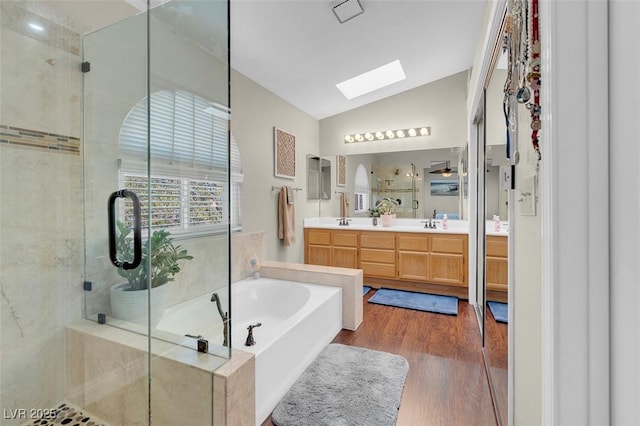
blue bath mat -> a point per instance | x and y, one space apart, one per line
365 289
419 301
499 311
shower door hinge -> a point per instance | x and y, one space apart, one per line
87 285
86 66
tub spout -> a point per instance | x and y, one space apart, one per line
225 318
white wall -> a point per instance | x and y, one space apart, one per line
255 112
440 105
525 285
624 209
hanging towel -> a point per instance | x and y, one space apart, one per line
286 219
289 194
344 204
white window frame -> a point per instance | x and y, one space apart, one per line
190 141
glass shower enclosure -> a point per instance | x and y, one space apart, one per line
115 211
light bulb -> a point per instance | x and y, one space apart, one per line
368 136
359 137
424 131
390 134
400 134
446 174
379 135
348 138
412 132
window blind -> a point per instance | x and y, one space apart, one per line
188 146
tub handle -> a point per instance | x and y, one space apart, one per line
137 225
250 340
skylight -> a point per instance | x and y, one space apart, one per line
372 80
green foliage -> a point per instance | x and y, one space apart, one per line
159 255
385 206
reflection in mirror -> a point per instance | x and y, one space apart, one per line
496 246
421 181
318 178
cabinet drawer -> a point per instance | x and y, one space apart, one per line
319 237
497 246
382 256
345 239
448 244
378 269
378 240
413 242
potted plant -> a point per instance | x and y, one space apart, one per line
385 208
159 265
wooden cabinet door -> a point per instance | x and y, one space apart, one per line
378 263
497 270
318 255
413 265
344 257
447 269
497 264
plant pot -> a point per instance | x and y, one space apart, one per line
387 219
132 306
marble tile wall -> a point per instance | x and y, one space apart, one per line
107 377
243 247
41 244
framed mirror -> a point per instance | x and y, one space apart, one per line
318 178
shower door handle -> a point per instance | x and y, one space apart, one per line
137 225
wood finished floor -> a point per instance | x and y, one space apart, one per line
446 384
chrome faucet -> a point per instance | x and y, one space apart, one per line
429 224
225 318
434 214
343 221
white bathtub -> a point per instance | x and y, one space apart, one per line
298 321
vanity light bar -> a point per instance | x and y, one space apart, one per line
388 134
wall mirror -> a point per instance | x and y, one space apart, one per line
492 262
422 181
318 178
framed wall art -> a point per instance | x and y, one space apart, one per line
341 170
284 163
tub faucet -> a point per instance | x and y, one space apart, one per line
225 318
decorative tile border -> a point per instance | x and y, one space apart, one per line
39 140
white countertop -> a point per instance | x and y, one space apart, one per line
400 225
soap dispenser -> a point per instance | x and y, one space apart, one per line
496 223
445 222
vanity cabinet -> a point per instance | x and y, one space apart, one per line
331 248
497 263
420 261
378 254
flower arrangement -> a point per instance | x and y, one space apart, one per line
385 206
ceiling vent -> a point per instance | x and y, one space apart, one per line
346 9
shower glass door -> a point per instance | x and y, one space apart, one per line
157 209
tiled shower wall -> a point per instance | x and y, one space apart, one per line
41 246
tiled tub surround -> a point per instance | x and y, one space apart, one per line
297 321
107 377
350 280
106 366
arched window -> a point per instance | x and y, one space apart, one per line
361 190
189 158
